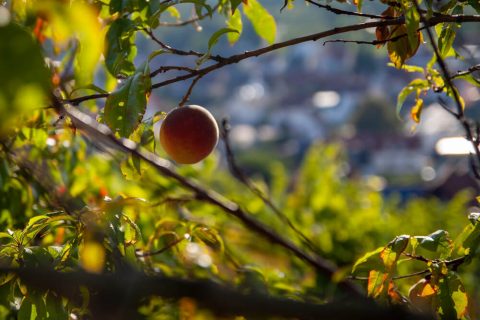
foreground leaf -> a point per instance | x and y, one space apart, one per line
126 106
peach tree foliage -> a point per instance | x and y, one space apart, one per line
83 192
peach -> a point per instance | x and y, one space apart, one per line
189 134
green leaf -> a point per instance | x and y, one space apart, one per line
54 306
470 79
235 23
234 4
412 21
438 241
125 107
174 12
155 53
132 231
24 78
413 86
409 68
446 38
391 253
92 87
262 21
199 5
120 50
27 310
370 261
452 298
214 38
475 5
472 240
210 237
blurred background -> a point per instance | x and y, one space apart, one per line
281 103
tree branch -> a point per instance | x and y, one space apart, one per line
164 69
178 51
460 115
124 291
189 91
313 37
238 173
348 13
470 70
189 21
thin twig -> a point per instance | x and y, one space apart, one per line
189 21
415 257
238 173
164 69
179 52
162 250
460 115
453 264
443 104
348 13
374 42
470 70
189 91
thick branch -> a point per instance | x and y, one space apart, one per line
111 292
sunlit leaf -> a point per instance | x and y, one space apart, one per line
412 22
126 105
370 261
234 4
446 38
210 237
24 80
453 300
438 241
401 50
216 36
416 110
391 253
376 283
27 310
413 86
421 296
235 22
92 256
262 21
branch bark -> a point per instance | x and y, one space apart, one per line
110 292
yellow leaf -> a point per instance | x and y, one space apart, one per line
376 283
417 110
92 256
401 49
78 20
427 290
